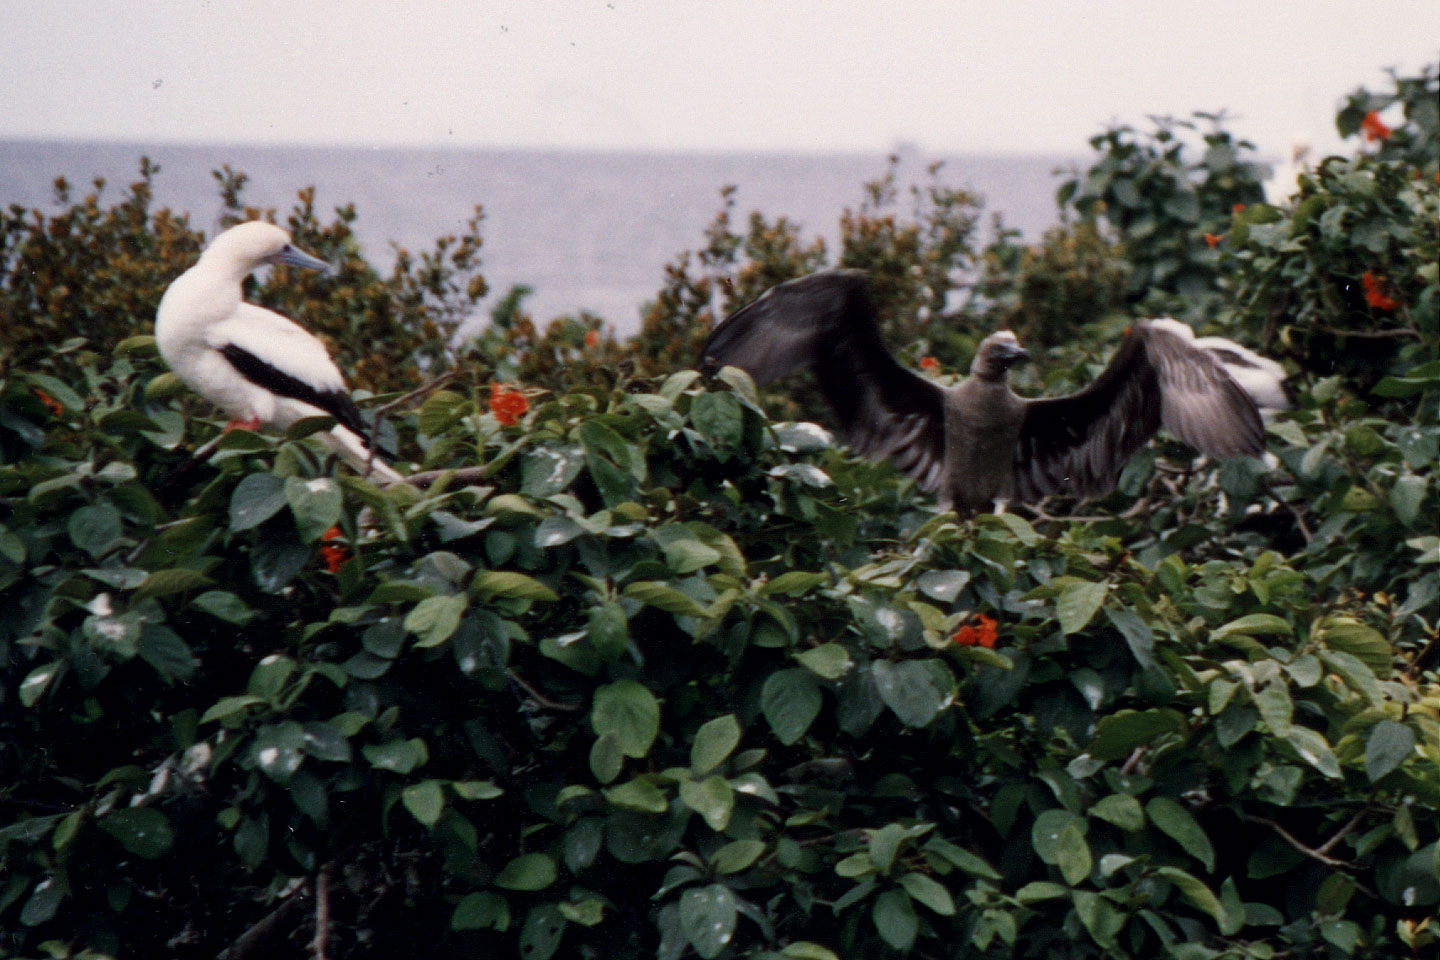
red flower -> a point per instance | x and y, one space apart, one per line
1375 293
928 363
507 405
592 337
979 630
1211 239
50 402
333 554
1237 208
1374 128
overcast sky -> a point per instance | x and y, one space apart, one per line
956 76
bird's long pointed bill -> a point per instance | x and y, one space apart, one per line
293 256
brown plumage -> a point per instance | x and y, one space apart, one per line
978 441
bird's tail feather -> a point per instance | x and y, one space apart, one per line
352 450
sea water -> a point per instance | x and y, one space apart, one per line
584 230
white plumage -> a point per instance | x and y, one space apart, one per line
257 366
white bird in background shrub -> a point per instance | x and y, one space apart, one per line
257 366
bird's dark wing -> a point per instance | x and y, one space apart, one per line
1080 443
337 403
827 322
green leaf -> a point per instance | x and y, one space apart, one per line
543 930
1073 854
1121 732
608 631
606 757
257 498
929 893
1045 833
43 903
790 701
708 916
1176 822
712 798
529 871
143 831
223 605
684 553
895 918
943 585
1077 605
829 661
509 583
1101 919
914 690
805 950
663 597
37 681
1389 745
638 794
486 910
1038 890
95 528
736 856
1253 624
425 801
434 619
1365 643
1275 707
719 419
1314 750
714 741
793 583
1194 891
961 858
1122 810
397 756
629 712
315 503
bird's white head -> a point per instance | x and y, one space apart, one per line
247 246
996 354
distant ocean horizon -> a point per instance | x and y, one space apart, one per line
584 230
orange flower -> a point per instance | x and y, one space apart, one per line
1237 208
1211 239
979 630
592 337
507 405
1375 293
333 554
928 363
1374 128
50 402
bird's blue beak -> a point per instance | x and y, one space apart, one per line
1011 352
293 256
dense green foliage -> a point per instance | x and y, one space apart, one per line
673 679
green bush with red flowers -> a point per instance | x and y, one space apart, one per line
665 677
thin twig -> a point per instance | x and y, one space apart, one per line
1405 333
1342 833
540 698
322 913
380 412
260 931
1322 854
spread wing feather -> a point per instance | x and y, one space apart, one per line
1080 443
827 322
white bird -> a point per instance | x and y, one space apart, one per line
257 366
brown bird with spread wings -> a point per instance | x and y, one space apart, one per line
978 441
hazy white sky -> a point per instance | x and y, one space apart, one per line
956 76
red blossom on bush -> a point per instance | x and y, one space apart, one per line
1212 239
1374 291
50 402
979 631
1374 128
507 404
1237 208
333 554
592 337
928 363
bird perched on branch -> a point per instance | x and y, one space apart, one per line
257 366
978 442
